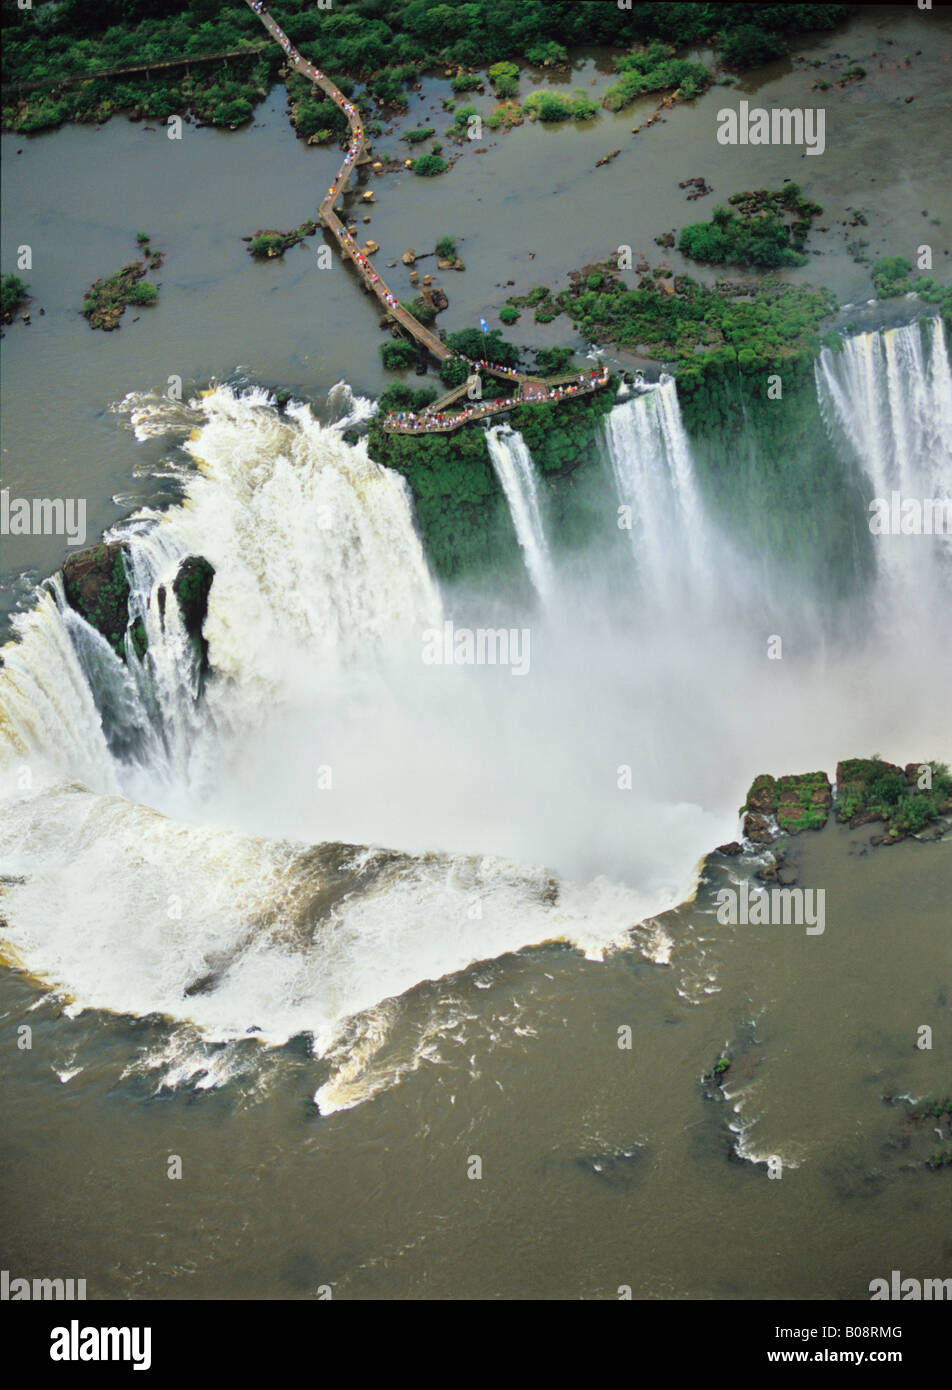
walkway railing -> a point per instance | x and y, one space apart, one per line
529 388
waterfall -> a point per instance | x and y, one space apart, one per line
317 564
514 469
654 477
887 399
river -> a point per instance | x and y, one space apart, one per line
358 940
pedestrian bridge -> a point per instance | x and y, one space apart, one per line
434 419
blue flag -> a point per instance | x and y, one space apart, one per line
484 325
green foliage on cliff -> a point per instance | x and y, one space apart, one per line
459 506
770 474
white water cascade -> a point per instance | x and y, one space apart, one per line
329 812
651 460
516 473
888 397
320 734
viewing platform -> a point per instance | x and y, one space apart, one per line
529 389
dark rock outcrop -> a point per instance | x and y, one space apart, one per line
97 588
191 587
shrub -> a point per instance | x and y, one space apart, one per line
891 276
142 293
398 354
424 313
749 47
429 164
414 137
446 247
655 69
466 82
503 72
545 54
509 314
13 291
732 240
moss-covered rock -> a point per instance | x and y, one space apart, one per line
800 802
95 584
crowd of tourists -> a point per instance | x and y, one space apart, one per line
430 421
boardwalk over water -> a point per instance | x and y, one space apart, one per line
434 419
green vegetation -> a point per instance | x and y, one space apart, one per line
894 275
142 293
696 327
756 233
731 240
446 248
459 506
553 361
505 79
266 245
655 69
414 137
800 802
509 314
548 54
95 585
13 293
191 587
384 45
718 1073
105 301
491 347
553 106
749 47
891 276
429 164
467 82
868 789
398 354
419 309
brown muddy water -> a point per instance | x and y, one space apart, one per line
475 1130
600 1166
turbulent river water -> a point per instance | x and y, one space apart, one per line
346 918
381 914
